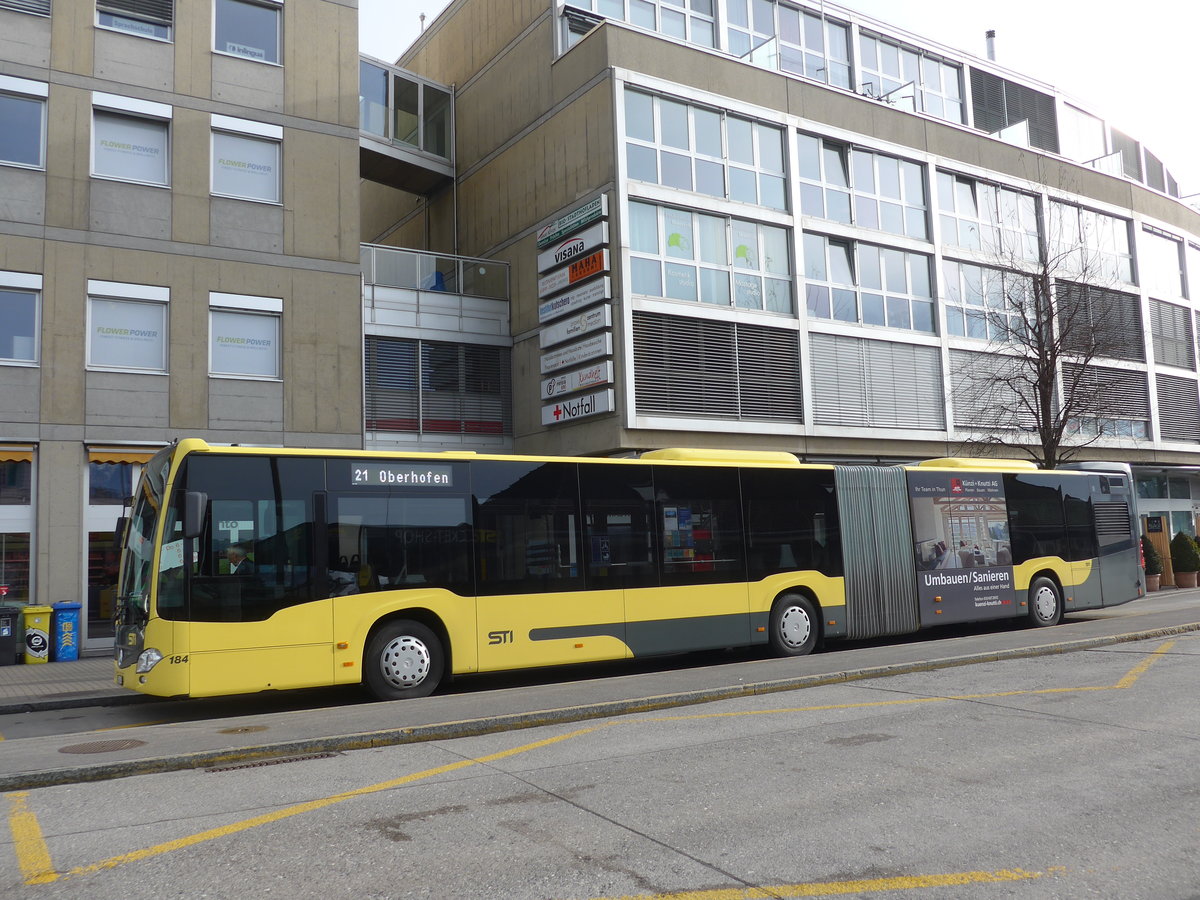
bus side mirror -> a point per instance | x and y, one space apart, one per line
119 532
194 505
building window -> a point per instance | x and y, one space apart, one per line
147 18
22 122
127 326
984 303
20 309
36 7
130 139
437 387
683 255
693 148
109 483
1089 244
998 103
911 78
787 38
1161 263
245 159
1171 329
245 335
247 29
852 281
1126 401
856 186
688 20
977 215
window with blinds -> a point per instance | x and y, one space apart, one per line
149 18
37 7
1178 409
1112 402
701 368
998 103
1099 321
876 383
1171 329
991 391
437 387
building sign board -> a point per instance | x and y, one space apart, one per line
577 299
592 376
578 271
573 247
579 407
962 549
576 326
573 221
573 354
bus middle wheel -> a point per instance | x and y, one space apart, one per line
404 659
794 626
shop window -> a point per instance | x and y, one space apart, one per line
145 18
14 567
245 335
249 30
245 159
109 484
22 122
131 140
15 481
127 327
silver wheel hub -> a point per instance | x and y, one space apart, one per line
1044 603
795 626
404 662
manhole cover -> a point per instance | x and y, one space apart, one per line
102 747
244 729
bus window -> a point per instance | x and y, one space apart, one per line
618 508
527 527
390 540
791 522
1035 516
1081 519
700 525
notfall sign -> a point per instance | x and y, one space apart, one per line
580 407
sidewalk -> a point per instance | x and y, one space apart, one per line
61 685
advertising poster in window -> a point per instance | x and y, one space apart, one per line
128 335
962 549
245 167
130 148
245 344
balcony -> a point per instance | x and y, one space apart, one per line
406 128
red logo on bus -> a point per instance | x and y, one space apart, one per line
956 486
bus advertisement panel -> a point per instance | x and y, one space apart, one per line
962 548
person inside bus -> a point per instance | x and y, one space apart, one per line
238 564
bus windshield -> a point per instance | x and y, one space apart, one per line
137 563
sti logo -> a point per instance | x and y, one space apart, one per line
956 486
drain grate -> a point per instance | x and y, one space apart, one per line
272 762
243 729
102 747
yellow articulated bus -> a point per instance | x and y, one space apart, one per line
252 569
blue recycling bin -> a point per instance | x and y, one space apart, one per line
66 631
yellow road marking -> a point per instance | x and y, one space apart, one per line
134 725
33 856
833 888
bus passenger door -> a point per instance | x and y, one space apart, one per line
1119 559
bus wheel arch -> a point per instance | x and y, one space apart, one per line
1045 600
407 654
794 627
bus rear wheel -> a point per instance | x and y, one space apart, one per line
793 627
1045 603
404 659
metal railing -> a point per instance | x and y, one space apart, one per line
419 270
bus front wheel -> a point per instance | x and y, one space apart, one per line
793 626
404 659
1045 603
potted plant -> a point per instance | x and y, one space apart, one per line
1185 560
1153 563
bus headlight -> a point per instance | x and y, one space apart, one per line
148 660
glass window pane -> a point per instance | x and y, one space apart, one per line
677 226
895 276
18 325
840 269
714 287
646 276
673 119
674 24
835 166
918 271
708 132
814 37
21 129
713 247
244 343
873 309
130 148
808 155
812 201
778 295
915 223
839 206
741 140
770 148
710 178
128 334
775 250
643 227
954 321
922 316
747 292
435 117
641 14
891 217
680 281
845 305
643 163
898 313
817 300
889 176
639 116
372 98
745 245
743 185
864 172
245 167
914 183
868 267
676 170
771 191
247 29
406 97
814 257
866 212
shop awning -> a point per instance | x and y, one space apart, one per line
16 454
120 456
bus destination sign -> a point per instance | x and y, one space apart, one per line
384 474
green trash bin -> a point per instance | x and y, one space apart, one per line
37 634
10 619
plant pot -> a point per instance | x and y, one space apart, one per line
1152 582
1185 579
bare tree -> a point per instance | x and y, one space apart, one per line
1038 390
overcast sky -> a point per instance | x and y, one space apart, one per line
1133 63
